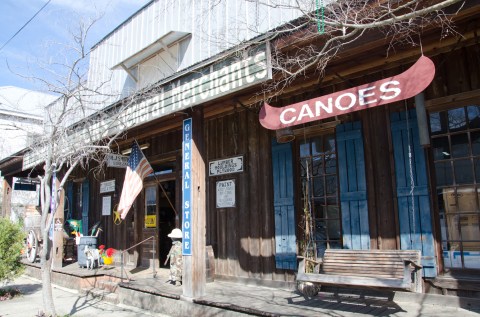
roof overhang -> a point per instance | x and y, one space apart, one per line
160 44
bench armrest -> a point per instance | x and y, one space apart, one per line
319 261
415 264
302 266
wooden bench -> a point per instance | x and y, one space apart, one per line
393 269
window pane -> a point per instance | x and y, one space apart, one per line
333 212
443 172
331 164
438 123
150 195
304 149
320 230
460 145
453 231
317 168
456 120
331 184
319 207
441 149
321 247
463 171
333 229
475 139
305 166
329 144
316 146
332 200
473 116
477 169
463 200
470 231
318 188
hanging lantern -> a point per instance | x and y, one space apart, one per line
285 135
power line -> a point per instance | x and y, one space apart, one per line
11 38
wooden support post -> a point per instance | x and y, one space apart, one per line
7 197
58 221
194 280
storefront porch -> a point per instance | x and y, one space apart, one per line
142 289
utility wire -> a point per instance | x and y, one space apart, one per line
25 25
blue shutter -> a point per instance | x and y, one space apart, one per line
85 204
353 186
285 239
415 222
69 201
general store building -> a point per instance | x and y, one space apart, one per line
367 178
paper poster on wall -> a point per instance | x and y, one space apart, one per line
106 205
226 193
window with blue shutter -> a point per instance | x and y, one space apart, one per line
353 186
285 238
413 199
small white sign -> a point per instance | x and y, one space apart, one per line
107 186
115 160
226 166
106 205
226 193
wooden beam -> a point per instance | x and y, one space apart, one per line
194 280
7 197
129 72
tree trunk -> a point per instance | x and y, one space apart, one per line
46 265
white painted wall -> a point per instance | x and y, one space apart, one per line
213 29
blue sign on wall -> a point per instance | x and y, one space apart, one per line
186 186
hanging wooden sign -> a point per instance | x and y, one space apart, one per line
403 86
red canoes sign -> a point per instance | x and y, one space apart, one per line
403 86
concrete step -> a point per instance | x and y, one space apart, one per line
101 295
110 286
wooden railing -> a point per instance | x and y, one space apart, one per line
154 272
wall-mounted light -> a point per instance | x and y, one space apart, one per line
285 135
142 147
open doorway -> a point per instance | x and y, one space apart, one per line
159 221
166 219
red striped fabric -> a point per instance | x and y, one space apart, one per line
137 169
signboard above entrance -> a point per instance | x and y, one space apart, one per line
115 160
231 74
403 86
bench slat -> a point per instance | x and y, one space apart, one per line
354 280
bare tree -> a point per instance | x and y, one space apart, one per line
326 28
78 131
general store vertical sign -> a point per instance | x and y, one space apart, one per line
187 184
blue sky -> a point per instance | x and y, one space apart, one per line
48 33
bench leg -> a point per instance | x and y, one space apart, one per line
417 285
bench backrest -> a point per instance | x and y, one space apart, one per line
369 263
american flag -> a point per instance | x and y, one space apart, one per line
137 168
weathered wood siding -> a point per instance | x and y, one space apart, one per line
242 237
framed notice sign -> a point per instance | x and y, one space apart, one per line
226 193
226 166
106 205
107 186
